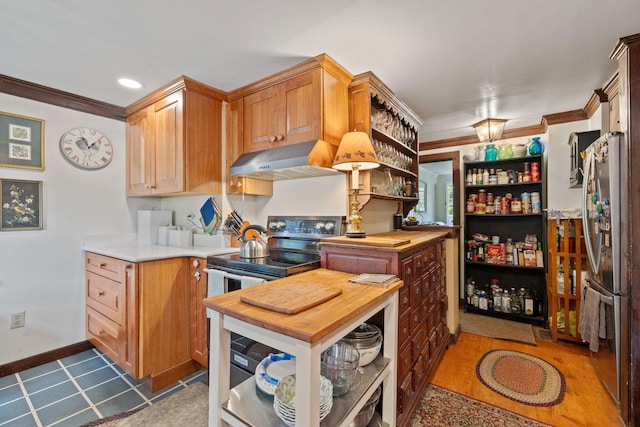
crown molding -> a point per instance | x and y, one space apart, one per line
36 92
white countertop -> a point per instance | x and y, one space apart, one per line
126 247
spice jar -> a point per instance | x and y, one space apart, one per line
516 206
526 175
535 172
490 204
471 205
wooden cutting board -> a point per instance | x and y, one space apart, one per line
386 242
289 298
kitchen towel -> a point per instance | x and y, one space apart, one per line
215 284
589 325
247 282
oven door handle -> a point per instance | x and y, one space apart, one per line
226 274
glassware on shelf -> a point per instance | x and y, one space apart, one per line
505 151
490 152
535 146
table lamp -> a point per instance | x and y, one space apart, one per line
355 153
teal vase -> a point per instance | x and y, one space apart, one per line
535 146
490 152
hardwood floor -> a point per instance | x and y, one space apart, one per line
586 402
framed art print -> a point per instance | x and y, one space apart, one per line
21 142
21 203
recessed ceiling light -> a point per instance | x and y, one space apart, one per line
130 83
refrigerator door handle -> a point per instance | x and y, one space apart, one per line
586 225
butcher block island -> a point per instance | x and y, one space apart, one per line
419 259
337 308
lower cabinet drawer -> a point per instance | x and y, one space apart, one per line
106 296
104 334
405 361
105 266
420 373
404 329
405 393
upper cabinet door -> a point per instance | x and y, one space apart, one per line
283 114
169 152
302 108
261 119
139 146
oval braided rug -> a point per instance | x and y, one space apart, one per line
521 377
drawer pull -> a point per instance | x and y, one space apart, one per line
101 293
408 272
405 300
103 264
404 331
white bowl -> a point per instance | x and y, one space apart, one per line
368 355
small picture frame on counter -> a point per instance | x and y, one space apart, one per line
21 203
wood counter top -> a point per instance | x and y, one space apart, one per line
415 238
313 324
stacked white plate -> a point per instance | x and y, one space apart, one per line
272 369
285 396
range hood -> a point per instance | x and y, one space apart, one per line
303 160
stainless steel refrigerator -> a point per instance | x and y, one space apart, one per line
601 213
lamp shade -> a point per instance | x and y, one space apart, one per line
355 148
489 130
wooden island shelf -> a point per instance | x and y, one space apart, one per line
305 335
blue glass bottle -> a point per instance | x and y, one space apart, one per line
535 146
490 152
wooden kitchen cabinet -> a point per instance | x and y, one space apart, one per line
112 308
287 113
235 148
138 314
422 333
174 141
198 292
567 267
369 97
306 102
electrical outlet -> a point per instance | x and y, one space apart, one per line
18 320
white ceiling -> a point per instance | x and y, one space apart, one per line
453 62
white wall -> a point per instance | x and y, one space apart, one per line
41 272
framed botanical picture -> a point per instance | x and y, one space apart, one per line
21 203
21 142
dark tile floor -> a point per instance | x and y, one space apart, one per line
74 391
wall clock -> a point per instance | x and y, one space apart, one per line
86 148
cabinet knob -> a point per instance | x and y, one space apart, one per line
408 272
279 137
405 300
101 293
272 138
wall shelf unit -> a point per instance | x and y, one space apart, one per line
568 267
516 262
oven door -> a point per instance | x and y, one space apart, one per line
246 354
221 281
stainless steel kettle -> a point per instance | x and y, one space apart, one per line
254 247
